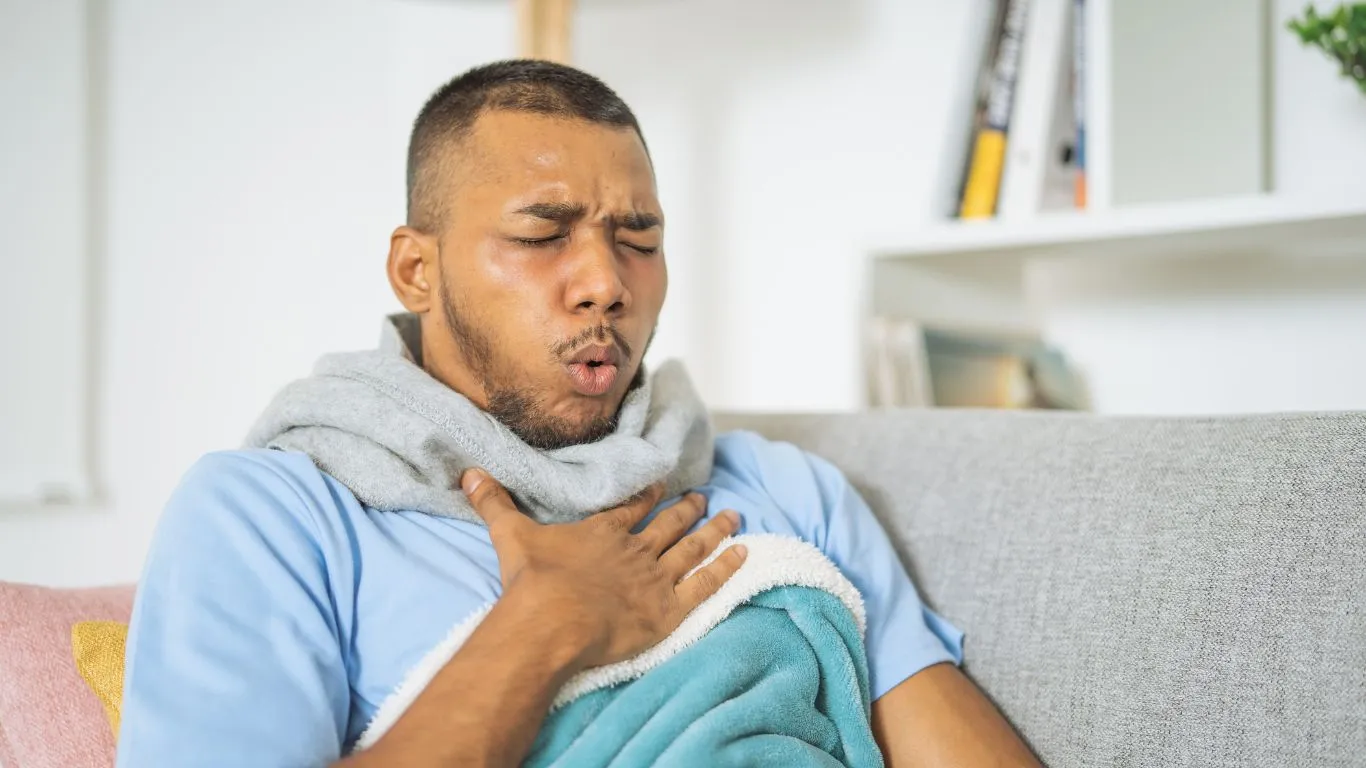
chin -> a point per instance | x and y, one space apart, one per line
583 412
557 415
563 429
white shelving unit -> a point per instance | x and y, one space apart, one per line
975 274
1179 109
1263 224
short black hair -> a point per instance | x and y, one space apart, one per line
519 85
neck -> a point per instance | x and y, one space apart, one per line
437 353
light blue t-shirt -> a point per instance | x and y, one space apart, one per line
276 612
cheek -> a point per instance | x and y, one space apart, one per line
517 288
500 269
488 293
649 279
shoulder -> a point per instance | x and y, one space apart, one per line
257 490
259 464
774 465
230 468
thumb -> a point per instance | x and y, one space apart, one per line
489 499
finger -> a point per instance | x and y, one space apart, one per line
704 583
673 521
695 547
489 499
630 514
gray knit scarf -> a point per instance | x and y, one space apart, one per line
399 439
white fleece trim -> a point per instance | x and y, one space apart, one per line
773 561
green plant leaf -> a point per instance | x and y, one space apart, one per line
1341 35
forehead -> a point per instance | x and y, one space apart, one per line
516 153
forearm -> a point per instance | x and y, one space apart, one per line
486 705
938 717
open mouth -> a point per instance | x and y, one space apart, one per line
592 379
593 370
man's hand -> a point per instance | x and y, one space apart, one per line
574 596
615 592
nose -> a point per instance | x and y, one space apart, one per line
596 281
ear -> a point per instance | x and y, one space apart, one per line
413 268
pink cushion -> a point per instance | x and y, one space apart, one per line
48 717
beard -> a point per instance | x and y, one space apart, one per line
518 407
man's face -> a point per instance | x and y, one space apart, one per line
550 274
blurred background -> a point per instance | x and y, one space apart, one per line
871 203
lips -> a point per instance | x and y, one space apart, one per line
593 369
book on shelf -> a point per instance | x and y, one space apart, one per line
983 181
996 16
914 365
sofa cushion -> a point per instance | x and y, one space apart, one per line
99 648
49 718
1135 591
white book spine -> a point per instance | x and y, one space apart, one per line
1040 93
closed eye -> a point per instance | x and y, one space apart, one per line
538 241
541 242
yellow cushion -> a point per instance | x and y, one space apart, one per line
98 648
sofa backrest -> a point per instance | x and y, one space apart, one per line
1135 591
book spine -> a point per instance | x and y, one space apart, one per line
1035 175
1079 100
989 150
981 92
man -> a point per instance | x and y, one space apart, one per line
288 591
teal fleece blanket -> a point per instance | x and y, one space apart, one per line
782 682
769 671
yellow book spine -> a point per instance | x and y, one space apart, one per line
984 175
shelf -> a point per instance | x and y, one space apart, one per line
1262 225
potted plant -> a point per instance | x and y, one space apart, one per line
1341 34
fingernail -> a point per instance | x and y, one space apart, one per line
741 550
470 480
732 517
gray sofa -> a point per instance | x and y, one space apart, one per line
1135 591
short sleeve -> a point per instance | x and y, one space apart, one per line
904 636
234 653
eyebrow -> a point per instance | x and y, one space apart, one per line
558 212
638 221
634 221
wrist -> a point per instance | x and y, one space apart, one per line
571 643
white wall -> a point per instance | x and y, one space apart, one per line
255 154
255 170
